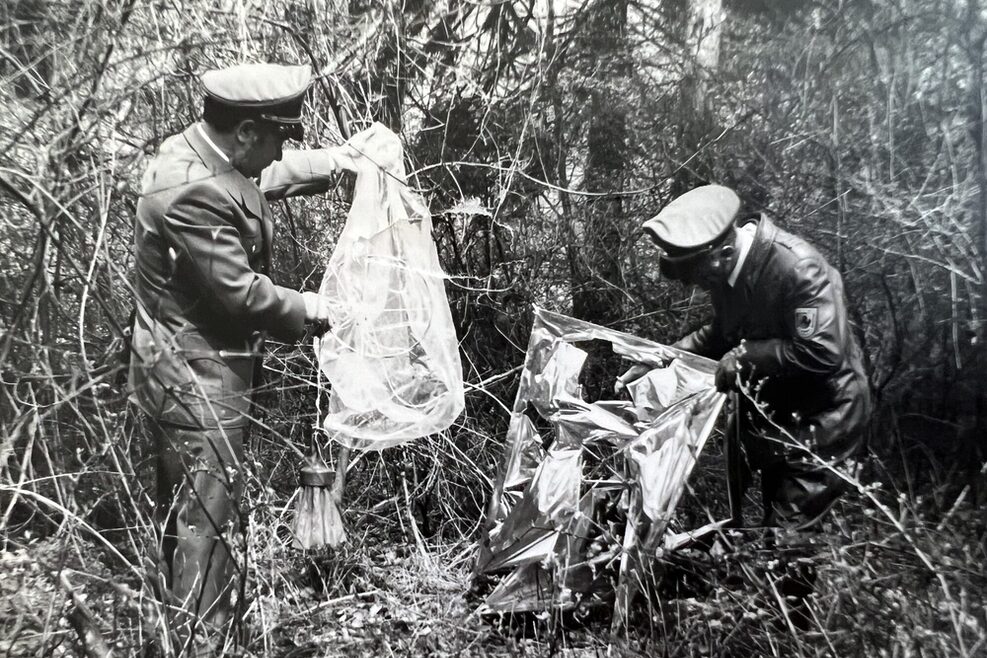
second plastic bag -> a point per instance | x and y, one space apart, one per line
392 356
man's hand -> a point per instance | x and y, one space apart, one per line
684 343
343 158
379 145
633 373
317 312
729 370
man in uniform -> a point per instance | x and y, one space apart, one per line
205 302
780 327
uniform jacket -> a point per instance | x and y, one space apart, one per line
789 308
204 298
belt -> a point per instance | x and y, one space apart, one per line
255 341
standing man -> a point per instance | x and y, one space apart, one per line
205 302
779 325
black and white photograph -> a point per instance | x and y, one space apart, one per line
493 328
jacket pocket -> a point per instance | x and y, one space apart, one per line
218 390
191 386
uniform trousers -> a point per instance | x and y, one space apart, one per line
197 510
797 490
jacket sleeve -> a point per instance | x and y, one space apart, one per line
209 258
812 342
704 341
303 172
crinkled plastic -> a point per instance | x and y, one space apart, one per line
627 463
392 355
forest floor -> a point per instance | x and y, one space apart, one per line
896 573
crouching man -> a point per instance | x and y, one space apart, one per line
780 328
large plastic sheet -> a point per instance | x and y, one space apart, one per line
625 462
392 355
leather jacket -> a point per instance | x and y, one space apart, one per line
788 307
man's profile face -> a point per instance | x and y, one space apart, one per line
261 145
708 270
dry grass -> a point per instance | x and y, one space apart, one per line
911 584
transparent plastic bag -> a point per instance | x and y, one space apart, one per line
392 355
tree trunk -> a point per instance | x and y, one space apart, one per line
701 29
977 114
702 36
978 99
597 294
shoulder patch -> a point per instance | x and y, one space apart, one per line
805 322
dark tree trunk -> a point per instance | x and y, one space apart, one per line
701 23
597 294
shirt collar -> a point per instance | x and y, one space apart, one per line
745 238
212 145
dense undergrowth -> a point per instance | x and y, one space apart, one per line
896 570
542 136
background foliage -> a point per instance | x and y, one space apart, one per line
542 134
